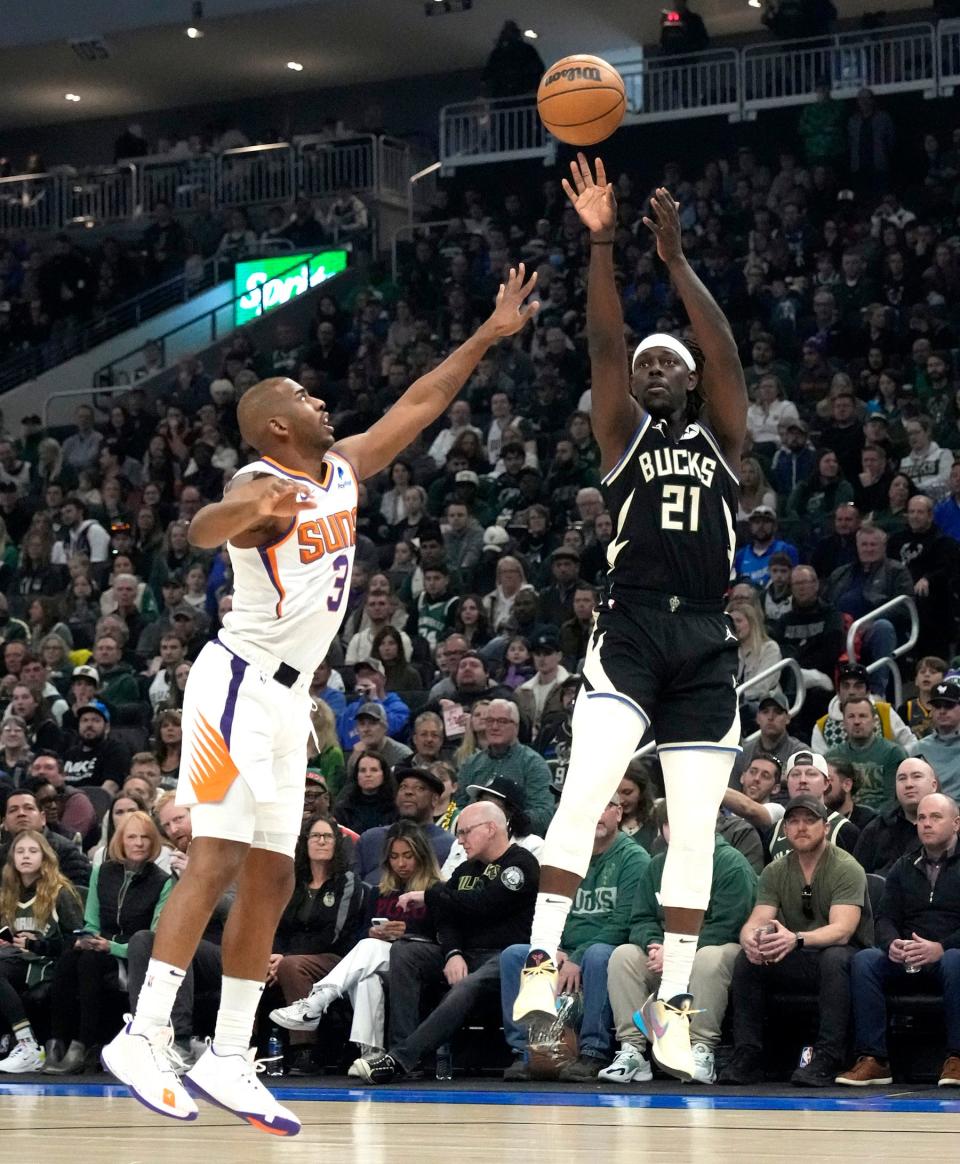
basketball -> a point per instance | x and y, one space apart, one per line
581 99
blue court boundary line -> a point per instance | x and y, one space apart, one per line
648 1102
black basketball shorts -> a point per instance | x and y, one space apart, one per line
678 669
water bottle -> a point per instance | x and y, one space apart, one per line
444 1062
274 1061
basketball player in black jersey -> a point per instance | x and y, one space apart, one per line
662 654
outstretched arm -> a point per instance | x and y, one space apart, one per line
722 381
431 395
614 413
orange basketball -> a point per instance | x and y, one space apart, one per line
581 99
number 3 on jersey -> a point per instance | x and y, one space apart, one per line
681 508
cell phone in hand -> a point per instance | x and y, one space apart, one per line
377 922
6 934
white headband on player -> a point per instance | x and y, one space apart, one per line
660 339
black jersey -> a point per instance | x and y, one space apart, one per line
673 504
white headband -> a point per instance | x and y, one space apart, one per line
660 339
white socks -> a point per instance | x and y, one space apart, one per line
549 918
239 999
679 951
157 996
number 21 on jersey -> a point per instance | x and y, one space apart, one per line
680 509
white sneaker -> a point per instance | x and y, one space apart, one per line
230 1082
703 1066
23 1057
305 1013
148 1065
630 1066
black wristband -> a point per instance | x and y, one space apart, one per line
452 954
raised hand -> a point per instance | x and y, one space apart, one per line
665 225
511 312
594 201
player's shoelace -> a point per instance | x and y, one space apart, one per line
543 969
165 1054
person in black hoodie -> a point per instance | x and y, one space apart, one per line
933 560
918 933
127 893
485 906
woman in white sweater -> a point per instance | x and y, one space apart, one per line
757 652
767 414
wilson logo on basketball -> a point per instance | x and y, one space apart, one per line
578 73
326 535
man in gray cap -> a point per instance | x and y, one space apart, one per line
808 923
372 731
773 720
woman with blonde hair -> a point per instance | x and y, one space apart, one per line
55 656
474 734
755 489
756 649
324 754
409 865
41 909
126 894
511 579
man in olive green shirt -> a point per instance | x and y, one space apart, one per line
811 917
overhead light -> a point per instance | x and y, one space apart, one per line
295 66
194 33
71 96
530 34
753 3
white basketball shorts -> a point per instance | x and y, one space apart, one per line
244 752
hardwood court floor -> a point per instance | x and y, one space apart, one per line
97 1125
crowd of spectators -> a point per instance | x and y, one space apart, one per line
444 707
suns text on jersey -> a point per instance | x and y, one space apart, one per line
326 535
669 462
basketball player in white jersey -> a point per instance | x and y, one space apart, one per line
289 522
662 655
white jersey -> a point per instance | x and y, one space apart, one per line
290 594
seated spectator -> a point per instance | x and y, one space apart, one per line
324 753
509 797
875 758
41 909
806 774
794 461
470 621
555 603
769 414
885 839
486 906
947 512
636 804
933 560
511 579
377 615
916 927
37 728
124 803
172 653
812 633
168 736
773 720
368 799
118 680
843 792
942 747
316 797
79 534
388 648
872 484
505 756
328 686
96 759
777 599
418 794
812 501
839 548
432 611
756 652
319 924
597 924
927 465
22 812
67 811
372 703
892 516
15 754
759 783
828 732
539 696
809 921
753 560
407 864
455 696
916 713
126 894
636 966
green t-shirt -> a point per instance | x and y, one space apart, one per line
877 764
837 880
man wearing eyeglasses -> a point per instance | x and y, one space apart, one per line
505 756
808 923
486 906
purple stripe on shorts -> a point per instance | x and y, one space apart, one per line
237 668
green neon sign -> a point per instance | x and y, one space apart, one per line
260 285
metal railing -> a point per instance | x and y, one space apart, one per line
777 668
888 661
409 231
667 88
736 83
480 131
887 60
